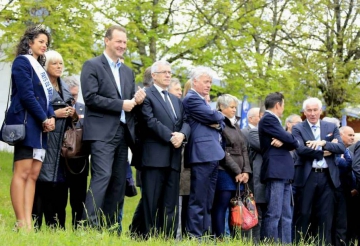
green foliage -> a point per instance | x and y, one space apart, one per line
71 25
301 48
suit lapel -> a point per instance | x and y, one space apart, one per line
323 130
161 100
108 70
175 105
308 130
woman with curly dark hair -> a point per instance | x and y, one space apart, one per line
30 100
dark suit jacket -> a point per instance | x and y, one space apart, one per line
28 96
102 99
306 156
158 151
246 131
356 163
203 144
259 188
277 162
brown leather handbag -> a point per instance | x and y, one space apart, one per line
72 146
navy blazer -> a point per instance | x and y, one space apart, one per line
203 144
277 162
306 155
103 103
159 123
28 95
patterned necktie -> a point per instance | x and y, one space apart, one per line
316 133
167 102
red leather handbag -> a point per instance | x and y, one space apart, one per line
244 214
250 213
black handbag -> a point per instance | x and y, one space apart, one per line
130 189
12 134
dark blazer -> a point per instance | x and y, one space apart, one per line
277 162
203 144
158 151
102 99
356 162
28 95
306 156
259 188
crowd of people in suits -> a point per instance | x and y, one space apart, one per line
190 158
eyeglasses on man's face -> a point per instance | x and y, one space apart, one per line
164 72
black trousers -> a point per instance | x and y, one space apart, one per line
315 204
108 179
339 230
77 184
160 200
50 202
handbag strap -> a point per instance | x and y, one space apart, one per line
238 191
71 171
8 99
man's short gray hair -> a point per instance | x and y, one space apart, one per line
174 82
199 71
148 80
253 112
155 66
312 100
53 56
225 100
291 117
71 81
332 120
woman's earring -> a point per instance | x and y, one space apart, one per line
30 51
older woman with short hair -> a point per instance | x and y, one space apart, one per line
235 166
51 189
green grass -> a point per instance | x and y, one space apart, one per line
83 236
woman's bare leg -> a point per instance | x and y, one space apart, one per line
22 169
30 191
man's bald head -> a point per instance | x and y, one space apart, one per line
347 135
253 116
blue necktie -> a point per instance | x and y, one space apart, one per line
316 133
167 102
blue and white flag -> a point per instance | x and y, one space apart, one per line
245 106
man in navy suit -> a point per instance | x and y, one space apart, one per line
316 174
277 169
202 152
165 130
108 89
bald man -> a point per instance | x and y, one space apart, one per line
344 214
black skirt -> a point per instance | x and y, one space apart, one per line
23 152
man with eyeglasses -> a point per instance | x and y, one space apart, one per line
165 131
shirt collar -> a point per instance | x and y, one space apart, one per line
251 126
112 64
159 89
317 124
274 115
198 94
